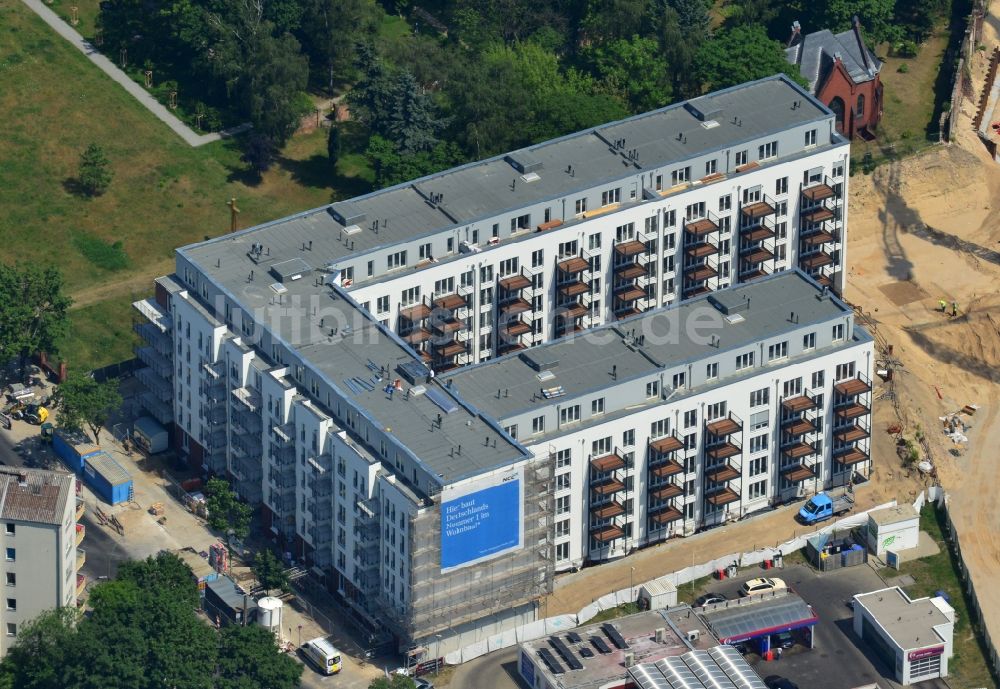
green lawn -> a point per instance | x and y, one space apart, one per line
968 667
164 194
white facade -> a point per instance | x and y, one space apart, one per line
914 637
39 553
279 354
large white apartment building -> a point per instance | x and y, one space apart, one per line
339 365
40 541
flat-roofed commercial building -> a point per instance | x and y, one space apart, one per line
912 636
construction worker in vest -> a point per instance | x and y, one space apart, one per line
954 308
942 305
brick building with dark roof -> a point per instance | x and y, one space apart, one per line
843 73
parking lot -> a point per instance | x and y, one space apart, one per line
839 660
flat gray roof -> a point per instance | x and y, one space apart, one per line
592 360
491 187
893 515
910 623
462 444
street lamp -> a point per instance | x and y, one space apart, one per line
631 577
300 635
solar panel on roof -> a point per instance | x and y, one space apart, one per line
600 645
566 653
586 652
551 661
748 620
616 638
441 400
574 638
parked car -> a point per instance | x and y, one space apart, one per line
762 585
422 683
709 599
776 682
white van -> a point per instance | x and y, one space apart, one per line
323 655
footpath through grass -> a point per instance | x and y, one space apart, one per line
164 194
968 668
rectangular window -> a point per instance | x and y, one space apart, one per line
594 241
791 388
396 260
11 579
538 424
410 296
712 370
11 629
781 208
781 186
741 158
569 414
568 249
695 211
9 528
670 218
679 380
508 266
611 196
744 360
715 411
563 481
562 504
625 232
628 438
691 418
758 398
511 430
838 332
809 341
562 528
757 489
382 304
758 465
768 150
652 224
680 176
522 222
725 203
12 604
711 167
445 286
563 458
844 371
581 205
838 170
597 406
818 379
11 554
425 251
777 351
562 552
660 428
653 388
759 420
495 233
600 447
758 443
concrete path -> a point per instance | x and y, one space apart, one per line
140 94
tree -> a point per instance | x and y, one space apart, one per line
634 68
164 572
392 167
85 402
740 54
277 76
249 658
33 311
413 123
225 511
333 146
372 97
878 17
259 152
269 571
43 649
332 31
94 174
393 682
678 53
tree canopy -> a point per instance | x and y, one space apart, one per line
269 571
33 310
740 54
226 512
87 403
142 632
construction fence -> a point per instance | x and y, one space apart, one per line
544 627
961 86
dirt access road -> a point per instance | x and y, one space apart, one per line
926 229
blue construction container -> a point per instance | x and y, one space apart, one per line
72 447
107 478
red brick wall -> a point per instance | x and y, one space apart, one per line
839 84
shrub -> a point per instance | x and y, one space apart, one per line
94 174
903 68
906 48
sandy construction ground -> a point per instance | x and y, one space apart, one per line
926 229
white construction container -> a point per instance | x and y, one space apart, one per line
658 594
893 528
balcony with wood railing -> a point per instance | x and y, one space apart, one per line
756 208
573 292
698 227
